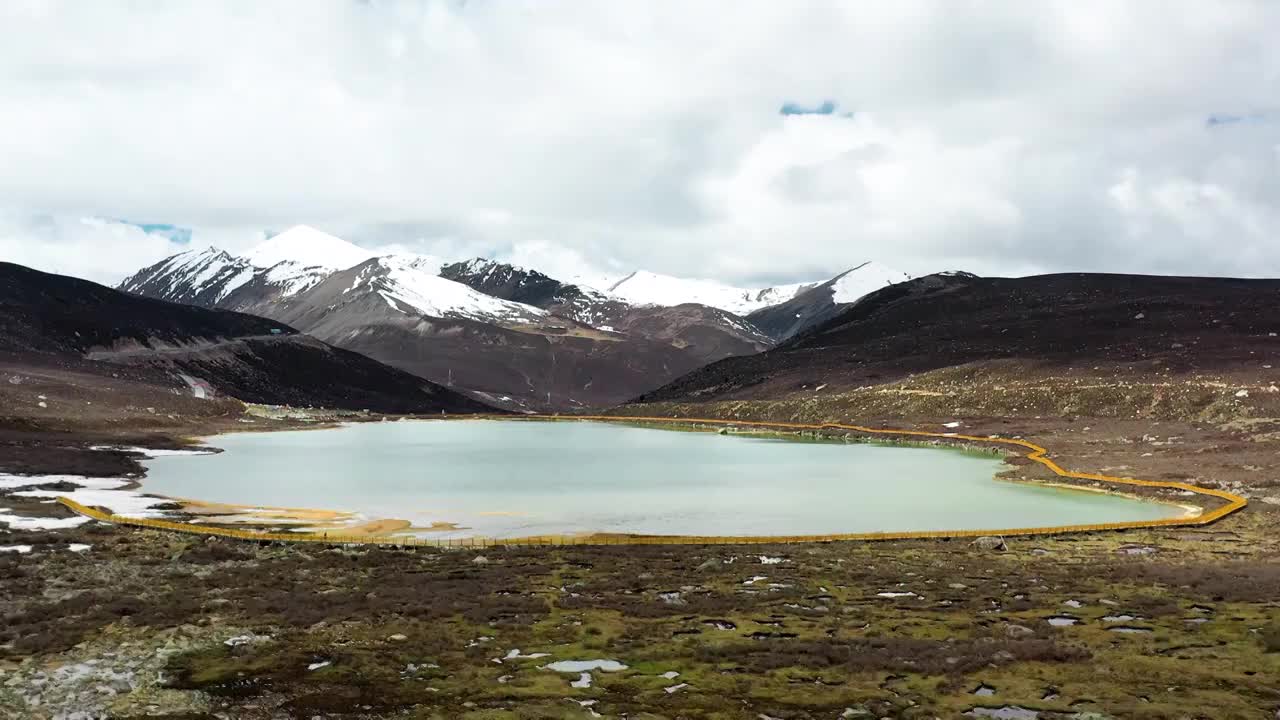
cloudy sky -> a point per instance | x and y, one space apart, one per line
749 141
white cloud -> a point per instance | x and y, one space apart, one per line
997 137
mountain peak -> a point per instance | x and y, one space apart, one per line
307 247
853 284
643 287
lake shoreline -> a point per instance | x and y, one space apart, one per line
376 526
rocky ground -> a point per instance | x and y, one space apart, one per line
1135 625
108 622
1181 623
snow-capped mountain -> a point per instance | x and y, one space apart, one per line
815 304
852 285
647 288
718 329
195 277
412 285
575 302
306 246
289 263
511 335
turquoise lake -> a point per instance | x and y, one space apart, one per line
512 479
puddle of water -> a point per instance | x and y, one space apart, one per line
984 690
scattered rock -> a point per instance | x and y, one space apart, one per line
990 543
1014 630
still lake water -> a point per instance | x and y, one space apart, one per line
512 479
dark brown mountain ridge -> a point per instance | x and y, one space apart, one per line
84 333
1148 324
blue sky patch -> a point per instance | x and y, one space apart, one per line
792 108
180 235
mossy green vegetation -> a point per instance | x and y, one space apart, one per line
903 629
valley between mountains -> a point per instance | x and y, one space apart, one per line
1162 378
511 337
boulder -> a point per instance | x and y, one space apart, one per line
990 543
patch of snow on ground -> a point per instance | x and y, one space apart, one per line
516 655
317 665
16 522
78 547
766 560
8 482
581 666
126 503
246 639
952 425
152 452
20 549
583 681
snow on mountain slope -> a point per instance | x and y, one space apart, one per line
815 305
291 278
410 284
305 246
199 277
866 278
302 257
647 288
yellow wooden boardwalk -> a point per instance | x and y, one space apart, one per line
1231 504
